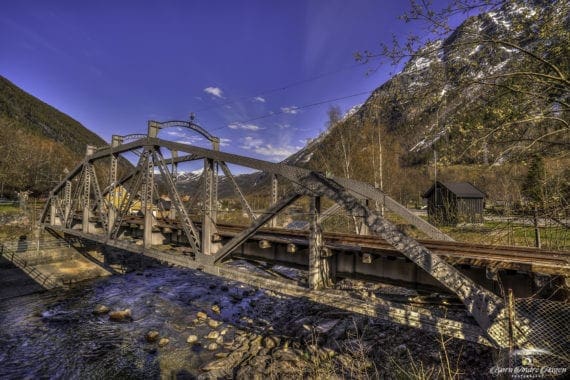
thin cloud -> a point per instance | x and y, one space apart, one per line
247 127
276 153
191 140
293 110
225 142
259 99
176 133
251 143
215 91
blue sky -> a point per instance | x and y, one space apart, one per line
245 67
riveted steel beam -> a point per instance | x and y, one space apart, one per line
240 238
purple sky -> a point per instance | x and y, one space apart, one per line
113 65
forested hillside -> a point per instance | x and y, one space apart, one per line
38 142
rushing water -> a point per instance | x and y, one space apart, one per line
56 334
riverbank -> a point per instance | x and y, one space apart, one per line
30 266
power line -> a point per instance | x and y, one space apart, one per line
281 88
295 109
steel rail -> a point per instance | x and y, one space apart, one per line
503 257
554 262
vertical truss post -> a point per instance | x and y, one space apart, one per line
86 200
174 174
86 189
67 202
174 154
99 200
148 186
113 199
319 270
153 129
274 197
210 205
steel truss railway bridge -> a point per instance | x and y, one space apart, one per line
83 206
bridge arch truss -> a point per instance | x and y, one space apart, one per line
82 201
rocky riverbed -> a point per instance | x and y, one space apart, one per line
178 323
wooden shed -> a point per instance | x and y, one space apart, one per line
451 203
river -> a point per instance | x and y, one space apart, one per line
56 334
239 332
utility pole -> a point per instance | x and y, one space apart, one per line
435 173
381 165
436 209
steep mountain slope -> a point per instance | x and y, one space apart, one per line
38 142
459 97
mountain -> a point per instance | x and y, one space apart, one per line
488 93
38 142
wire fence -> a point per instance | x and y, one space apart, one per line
547 337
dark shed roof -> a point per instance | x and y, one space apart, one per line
461 189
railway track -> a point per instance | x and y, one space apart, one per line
526 259
504 257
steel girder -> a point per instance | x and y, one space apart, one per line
487 309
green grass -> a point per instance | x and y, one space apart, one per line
553 236
9 209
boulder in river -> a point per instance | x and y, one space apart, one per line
216 309
192 339
152 336
201 316
213 323
101 309
121 315
213 335
163 342
212 346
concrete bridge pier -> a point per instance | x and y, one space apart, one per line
319 256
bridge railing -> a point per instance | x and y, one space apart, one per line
42 279
36 245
